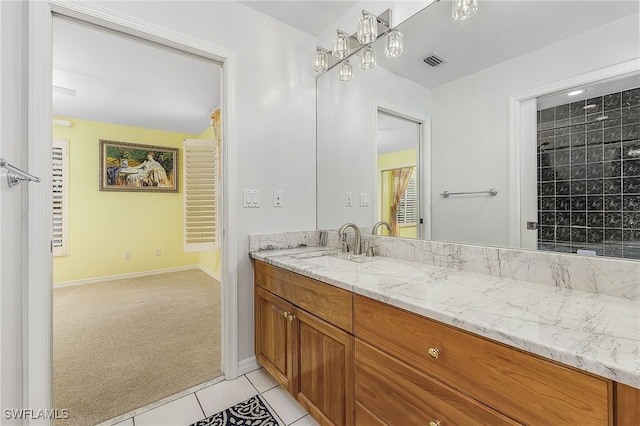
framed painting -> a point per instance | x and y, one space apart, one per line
135 167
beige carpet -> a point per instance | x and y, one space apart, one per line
121 345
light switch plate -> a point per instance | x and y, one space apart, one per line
348 199
364 199
277 198
251 198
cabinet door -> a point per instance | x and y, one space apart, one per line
326 375
275 333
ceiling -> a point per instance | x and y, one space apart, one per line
103 76
499 31
312 17
108 77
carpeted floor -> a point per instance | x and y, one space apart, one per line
121 345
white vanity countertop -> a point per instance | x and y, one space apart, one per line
595 333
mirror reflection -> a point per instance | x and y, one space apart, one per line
482 116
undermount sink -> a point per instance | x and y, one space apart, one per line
329 260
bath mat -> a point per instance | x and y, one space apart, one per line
251 412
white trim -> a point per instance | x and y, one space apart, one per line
38 377
209 272
248 365
423 156
38 298
95 280
627 68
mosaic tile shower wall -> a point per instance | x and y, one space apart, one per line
589 176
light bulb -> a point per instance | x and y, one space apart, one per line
464 9
367 29
368 58
341 47
346 71
394 44
320 61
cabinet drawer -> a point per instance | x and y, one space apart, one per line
365 417
332 304
401 395
525 387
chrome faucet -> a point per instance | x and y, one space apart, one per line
356 244
377 225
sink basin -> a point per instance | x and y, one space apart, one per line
333 261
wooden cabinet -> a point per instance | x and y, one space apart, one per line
303 338
627 405
274 337
526 388
402 368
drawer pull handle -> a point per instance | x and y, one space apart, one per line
435 353
434 423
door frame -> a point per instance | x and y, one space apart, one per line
37 332
522 143
423 163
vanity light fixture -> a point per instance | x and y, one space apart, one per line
346 71
321 60
576 92
367 58
464 9
367 28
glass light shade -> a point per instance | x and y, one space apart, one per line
346 71
341 47
367 29
368 58
394 44
320 61
463 9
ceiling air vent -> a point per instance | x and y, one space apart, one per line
434 60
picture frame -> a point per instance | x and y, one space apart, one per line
133 167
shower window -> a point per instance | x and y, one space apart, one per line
589 176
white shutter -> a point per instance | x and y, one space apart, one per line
200 177
60 192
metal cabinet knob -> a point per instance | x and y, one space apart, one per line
291 317
435 353
434 423
285 314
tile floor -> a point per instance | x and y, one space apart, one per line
210 400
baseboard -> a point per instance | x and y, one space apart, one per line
125 276
210 273
248 365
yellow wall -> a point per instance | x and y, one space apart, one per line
387 162
104 225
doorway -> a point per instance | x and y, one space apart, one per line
402 176
127 244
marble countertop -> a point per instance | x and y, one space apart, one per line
595 333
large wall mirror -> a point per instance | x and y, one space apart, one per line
493 115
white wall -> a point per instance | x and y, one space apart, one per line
347 137
275 100
470 129
11 248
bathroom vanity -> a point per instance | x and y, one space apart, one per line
375 341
